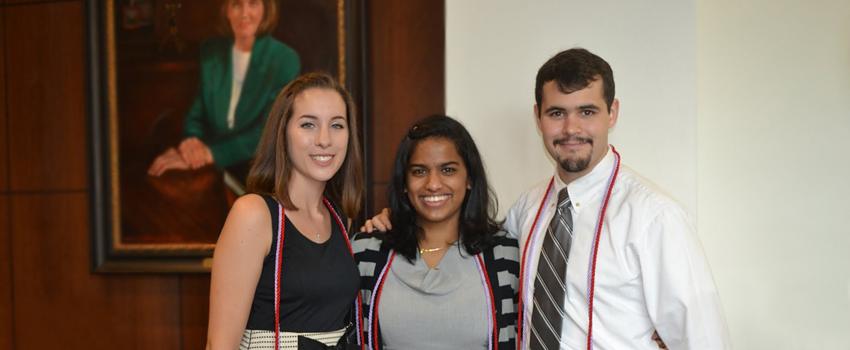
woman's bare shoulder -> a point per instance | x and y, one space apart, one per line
249 216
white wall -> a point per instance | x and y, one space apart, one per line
739 110
773 133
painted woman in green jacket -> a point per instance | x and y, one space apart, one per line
240 77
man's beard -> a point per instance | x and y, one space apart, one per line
574 165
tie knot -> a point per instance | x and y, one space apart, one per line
563 198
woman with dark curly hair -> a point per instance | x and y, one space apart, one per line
445 277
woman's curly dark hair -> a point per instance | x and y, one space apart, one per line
479 208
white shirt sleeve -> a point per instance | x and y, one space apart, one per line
681 297
514 218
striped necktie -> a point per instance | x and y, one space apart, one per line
550 282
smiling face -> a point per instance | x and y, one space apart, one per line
436 181
317 135
575 127
245 17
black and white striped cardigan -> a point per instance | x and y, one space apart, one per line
501 263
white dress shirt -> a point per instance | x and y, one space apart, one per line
651 273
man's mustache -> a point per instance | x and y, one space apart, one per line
564 140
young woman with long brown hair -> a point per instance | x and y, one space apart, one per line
283 275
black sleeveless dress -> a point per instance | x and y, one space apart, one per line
319 282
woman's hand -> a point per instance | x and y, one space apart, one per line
195 152
168 160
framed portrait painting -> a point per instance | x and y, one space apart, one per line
146 63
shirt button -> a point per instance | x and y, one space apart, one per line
578 204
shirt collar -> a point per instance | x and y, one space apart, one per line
590 186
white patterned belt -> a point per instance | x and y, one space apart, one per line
262 339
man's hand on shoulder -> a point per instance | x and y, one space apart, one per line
380 222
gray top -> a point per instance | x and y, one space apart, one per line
439 308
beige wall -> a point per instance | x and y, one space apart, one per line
773 132
738 110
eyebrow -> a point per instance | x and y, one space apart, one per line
414 165
554 108
581 108
310 116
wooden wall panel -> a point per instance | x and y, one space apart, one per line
46 99
5 276
4 141
55 291
407 80
379 197
6 303
194 306
26 1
